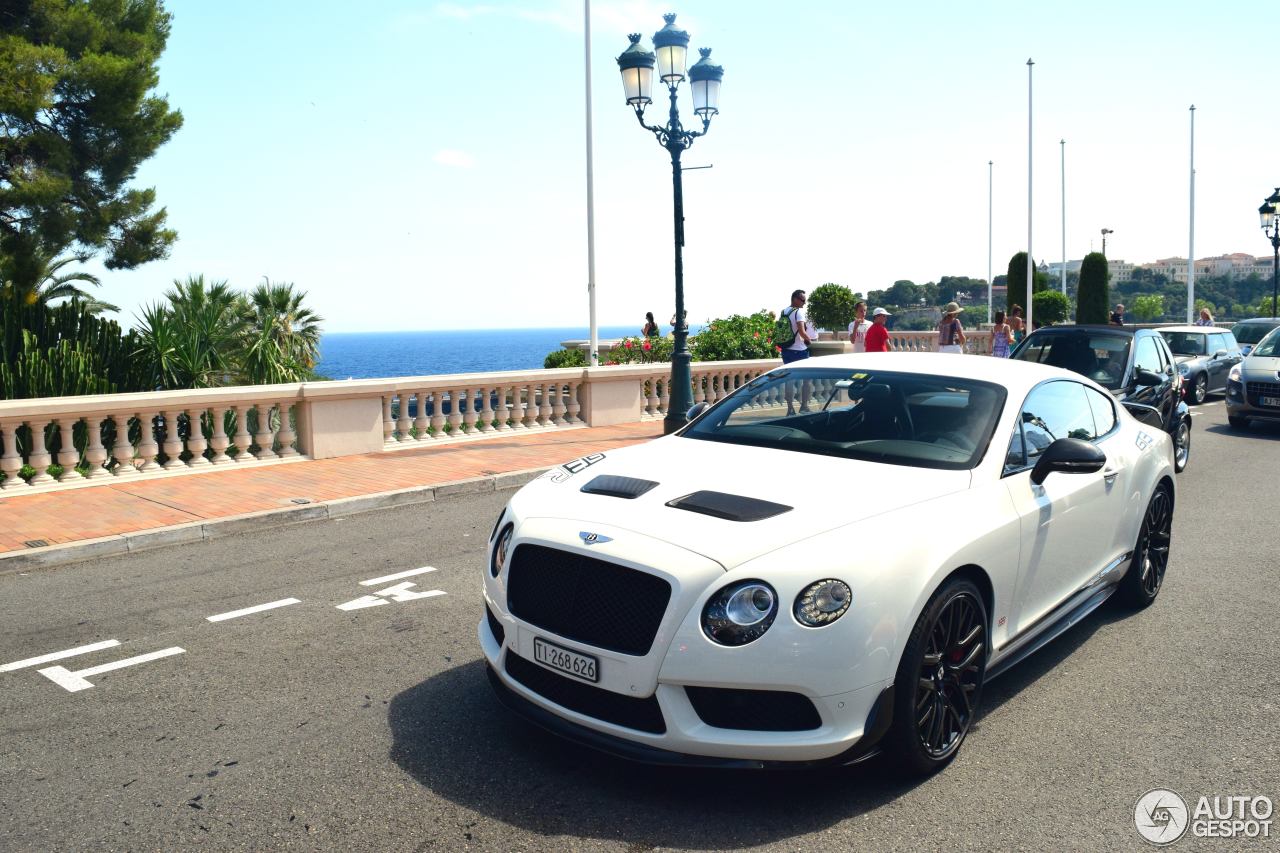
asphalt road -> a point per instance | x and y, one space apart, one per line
311 727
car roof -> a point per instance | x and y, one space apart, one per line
1016 375
1259 321
1202 330
1091 328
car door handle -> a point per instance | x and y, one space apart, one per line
1109 474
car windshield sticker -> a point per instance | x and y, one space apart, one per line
1143 441
568 469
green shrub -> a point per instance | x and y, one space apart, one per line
565 358
1050 306
639 350
831 307
1092 299
1148 307
736 337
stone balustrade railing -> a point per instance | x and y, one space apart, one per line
61 441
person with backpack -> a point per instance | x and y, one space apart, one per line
790 333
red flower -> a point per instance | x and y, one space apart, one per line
778 348
647 346
627 344
610 363
756 335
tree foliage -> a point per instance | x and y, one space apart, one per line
1016 280
1147 307
77 117
831 306
1050 307
1093 300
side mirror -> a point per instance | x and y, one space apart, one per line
1220 354
696 411
1068 456
1145 378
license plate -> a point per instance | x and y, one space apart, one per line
576 664
1270 401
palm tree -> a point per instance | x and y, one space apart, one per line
195 340
282 337
53 284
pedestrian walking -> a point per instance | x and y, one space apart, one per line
1016 324
878 335
650 328
1206 319
792 334
858 328
1117 316
950 332
1001 336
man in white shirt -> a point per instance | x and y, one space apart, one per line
858 328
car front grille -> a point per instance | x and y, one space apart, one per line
495 625
584 599
1256 390
754 710
641 714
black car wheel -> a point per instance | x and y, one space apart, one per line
1141 584
1199 389
1181 446
940 679
1238 422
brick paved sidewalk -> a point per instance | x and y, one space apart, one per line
127 507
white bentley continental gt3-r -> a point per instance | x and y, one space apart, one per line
827 563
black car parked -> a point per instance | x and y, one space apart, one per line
1135 365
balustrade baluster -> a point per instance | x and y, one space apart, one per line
403 423
172 441
531 406
557 404
286 436
11 460
243 437
122 450
265 436
503 413
573 415
219 441
95 453
39 458
148 447
196 442
544 411
651 399
664 397
67 454
455 412
469 416
388 425
420 423
437 414
485 421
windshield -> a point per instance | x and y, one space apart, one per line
1250 333
924 421
1270 346
1185 343
1100 356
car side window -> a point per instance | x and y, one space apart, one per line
1232 343
1146 356
1104 412
1052 411
1217 342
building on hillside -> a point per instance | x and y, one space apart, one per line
1237 265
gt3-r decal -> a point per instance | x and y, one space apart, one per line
575 466
1143 441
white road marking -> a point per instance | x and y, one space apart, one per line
271 605
52 656
79 680
399 592
397 576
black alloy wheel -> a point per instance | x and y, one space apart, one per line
940 679
1141 584
1181 446
1200 389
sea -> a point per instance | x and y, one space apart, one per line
371 355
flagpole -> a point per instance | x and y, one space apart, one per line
1191 247
1063 144
594 358
1031 272
989 302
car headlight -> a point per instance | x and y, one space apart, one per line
498 558
1234 374
823 602
740 613
1184 370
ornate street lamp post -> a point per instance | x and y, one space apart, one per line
1270 213
636 65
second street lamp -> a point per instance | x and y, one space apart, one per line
636 65
1270 213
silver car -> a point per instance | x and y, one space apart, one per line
1205 355
1253 386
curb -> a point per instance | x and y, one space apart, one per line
196 531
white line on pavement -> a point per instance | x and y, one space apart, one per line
52 656
271 605
79 680
397 576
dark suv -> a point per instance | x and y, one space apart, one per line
1135 365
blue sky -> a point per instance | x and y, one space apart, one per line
419 165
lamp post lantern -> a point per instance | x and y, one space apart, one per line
1270 213
636 64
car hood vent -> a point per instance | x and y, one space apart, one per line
618 487
729 507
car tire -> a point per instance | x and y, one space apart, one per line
1238 422
939 680
1181 445
1142 582
1199 389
